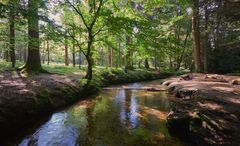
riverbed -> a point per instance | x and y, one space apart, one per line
123 115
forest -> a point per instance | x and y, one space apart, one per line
56 53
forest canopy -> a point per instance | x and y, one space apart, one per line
164 35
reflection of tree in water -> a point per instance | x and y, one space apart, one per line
112 118
128 115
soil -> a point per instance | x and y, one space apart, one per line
207 111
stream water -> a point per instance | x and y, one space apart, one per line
118 116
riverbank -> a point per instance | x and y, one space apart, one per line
23 99
207 111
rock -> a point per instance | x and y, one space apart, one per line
235 82
215 77
186 93
167 83
187 77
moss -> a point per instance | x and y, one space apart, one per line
45 97
67 92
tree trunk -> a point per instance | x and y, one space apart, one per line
25 55
66 52
33 60
48 53
6 55
110 57
180 59
119 55
217 36
146 64
196 36
205 51
129 64
12 35
73 52
73 56
80 59
155 58
89 57
43 52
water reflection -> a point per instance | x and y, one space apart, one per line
115 117
57 128
129 108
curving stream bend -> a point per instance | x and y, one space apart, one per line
124 115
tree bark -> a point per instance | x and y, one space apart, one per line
6 55
48 52
33 60
73 51
119 55
205 51
89 57
66 52
196 36
129 64
73 56
12 35
110 57
146 64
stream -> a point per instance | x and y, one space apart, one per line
124 115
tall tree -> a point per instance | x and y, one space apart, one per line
66 59
73 50
196 36
129 61
12 33
206 47
33 60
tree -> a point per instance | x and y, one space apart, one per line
33 60
66 51
206 47
196 36
12 33
89 24
129 61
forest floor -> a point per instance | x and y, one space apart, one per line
208 109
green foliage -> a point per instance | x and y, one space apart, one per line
68 93
117 76
4 65
64 70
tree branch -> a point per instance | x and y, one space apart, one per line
101 29
79 45
96 14
80 13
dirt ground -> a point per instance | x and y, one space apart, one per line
207 111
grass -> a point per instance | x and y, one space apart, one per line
102 75
52 68
4 65
64 70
